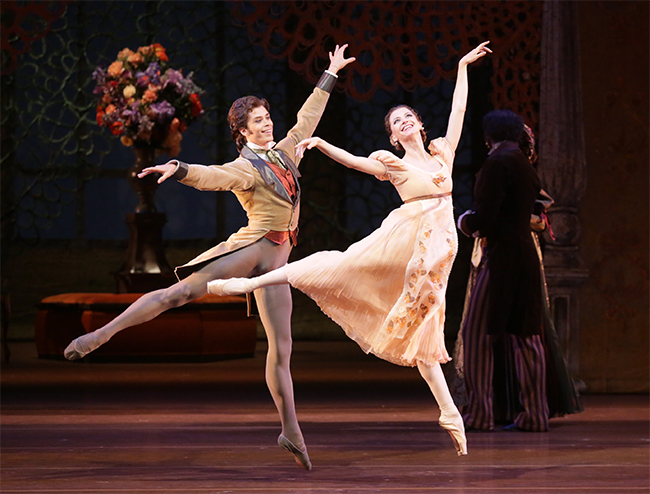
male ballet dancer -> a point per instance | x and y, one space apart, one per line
264 177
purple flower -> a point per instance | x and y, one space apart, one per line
188 87
142 79
99 75
133 113
171 77
112 117
145 125
164 111
149 76
153 72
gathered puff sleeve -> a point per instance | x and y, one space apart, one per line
387 175
442 151
237 175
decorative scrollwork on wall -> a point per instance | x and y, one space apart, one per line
405 44
23 23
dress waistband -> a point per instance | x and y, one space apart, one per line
424 198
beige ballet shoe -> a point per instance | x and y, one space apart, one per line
302 458
232 286
73 350
456 430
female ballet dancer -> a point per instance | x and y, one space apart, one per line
387 291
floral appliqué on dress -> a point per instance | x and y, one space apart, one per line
438 179
411 311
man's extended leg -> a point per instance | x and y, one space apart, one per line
240 263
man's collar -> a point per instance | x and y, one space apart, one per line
257 148
504 144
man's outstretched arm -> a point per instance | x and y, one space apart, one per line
236 175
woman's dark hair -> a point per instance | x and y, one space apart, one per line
502 125
397 145
238 117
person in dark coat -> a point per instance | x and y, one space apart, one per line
505 309
561 393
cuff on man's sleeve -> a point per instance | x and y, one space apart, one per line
327 81
181 170
462 226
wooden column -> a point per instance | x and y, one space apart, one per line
562 168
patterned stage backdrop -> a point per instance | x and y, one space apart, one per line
55 157
407 45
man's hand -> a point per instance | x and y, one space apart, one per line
166 170
338 60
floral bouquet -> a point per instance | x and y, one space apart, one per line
144 101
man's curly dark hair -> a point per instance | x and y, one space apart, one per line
238 117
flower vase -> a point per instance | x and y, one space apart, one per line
145 188
146 267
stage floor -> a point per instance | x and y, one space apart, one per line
371 427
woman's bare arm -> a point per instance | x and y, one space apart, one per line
365 165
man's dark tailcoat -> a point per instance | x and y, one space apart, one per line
504 196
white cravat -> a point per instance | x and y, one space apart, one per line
263 149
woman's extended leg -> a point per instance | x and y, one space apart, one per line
236 286
450 418
150 305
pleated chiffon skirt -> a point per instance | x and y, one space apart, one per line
387 291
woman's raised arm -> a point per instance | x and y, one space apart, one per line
459 100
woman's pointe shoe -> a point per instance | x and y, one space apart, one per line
456 430
302 458
75 350
232 286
